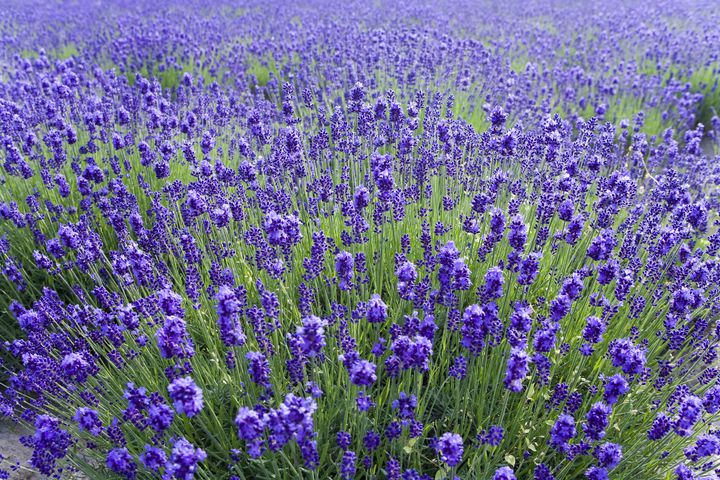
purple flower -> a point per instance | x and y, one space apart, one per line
614 388
228 308
344 266
173 339
543 472
596 473
413 352
136 397
371 440
608 455
602 246
689 413
405 405
347 465
517 234
528 269
685 299
593 330
343 440
572 286
560 307
497 116
295 417
249 423
450 448
153 458
565 210
684 473
376 309
364 402
711 400
76 366
480 326
311 335
184 459
258 368
504 473
120 461
361 198
170 303
406 273
627 356
50 443
493 436
186 396
660 427
69 236
459 368
362 373
607 272
453 273
707 445
160 416
562 431
545 337
520 319
517 369
88 420
494 283
598 419
283 231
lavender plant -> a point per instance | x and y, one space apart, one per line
361 241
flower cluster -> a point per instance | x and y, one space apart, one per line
361 241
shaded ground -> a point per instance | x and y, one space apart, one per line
15 456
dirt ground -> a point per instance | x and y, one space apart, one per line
15 456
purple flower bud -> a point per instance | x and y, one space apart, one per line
376 309
450 448
562 431
504 473
186 396
120 461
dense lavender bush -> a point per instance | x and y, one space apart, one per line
361 241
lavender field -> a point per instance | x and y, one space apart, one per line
368 240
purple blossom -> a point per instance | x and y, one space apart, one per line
608 455
228 308
627 356
597 421
184 459
121 462
258 368
282 230
344 266
173 339
405 405
450 448
376 309
362 373
504 473
186 396
517 369
88 420
312 335
562 431
615 387
153 458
